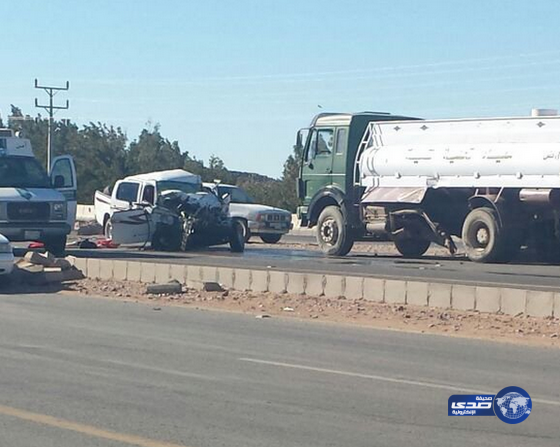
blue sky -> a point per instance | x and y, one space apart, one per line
238 78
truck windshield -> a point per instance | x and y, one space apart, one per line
188 188
22 172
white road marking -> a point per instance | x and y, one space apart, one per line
419 383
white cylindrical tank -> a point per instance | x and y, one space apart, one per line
520 153
544 112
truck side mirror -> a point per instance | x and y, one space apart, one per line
301 138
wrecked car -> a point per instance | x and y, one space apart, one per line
178 220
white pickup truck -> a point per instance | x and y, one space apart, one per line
139 190
34 207
267 222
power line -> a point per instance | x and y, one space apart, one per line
51 108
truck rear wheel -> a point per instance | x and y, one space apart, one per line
486 240
411 247
333 235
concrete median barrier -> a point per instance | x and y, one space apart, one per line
506 300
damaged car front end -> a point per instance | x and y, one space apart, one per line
179 221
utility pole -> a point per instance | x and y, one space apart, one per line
50 108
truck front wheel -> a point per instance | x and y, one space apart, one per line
333 235
411 247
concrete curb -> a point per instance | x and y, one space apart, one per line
504 300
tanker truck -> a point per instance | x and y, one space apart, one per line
493 183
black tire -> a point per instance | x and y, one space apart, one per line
271 238
411 247
545 244
485 240
333 234
56 246
237 238
245 226
108 228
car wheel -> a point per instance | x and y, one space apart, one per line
108 229
271 238
245 229
237 238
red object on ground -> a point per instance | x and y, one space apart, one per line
106 243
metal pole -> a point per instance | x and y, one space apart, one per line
51 91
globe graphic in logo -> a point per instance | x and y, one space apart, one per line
512 405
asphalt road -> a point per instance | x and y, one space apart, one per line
93 372
441 269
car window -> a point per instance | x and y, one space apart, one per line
128 192
149 194
237 194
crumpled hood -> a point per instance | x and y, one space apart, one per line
30 194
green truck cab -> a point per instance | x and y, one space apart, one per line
328 186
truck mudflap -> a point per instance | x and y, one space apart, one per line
394 195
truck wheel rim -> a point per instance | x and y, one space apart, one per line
482 236
329 231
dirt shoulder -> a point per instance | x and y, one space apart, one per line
519 329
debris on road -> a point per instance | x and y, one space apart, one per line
169 288
211 286
43 268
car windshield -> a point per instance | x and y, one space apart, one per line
237 194
22 172
178 186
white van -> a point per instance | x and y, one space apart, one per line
34 206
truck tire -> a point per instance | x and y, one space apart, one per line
271 238
486 240
237 238
56 246
545 244
411 247
333 234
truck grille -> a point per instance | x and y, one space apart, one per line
29 211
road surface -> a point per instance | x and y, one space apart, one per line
428 268
92 372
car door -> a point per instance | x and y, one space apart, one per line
63 178
318 160
133 226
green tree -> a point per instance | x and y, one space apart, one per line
152 152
